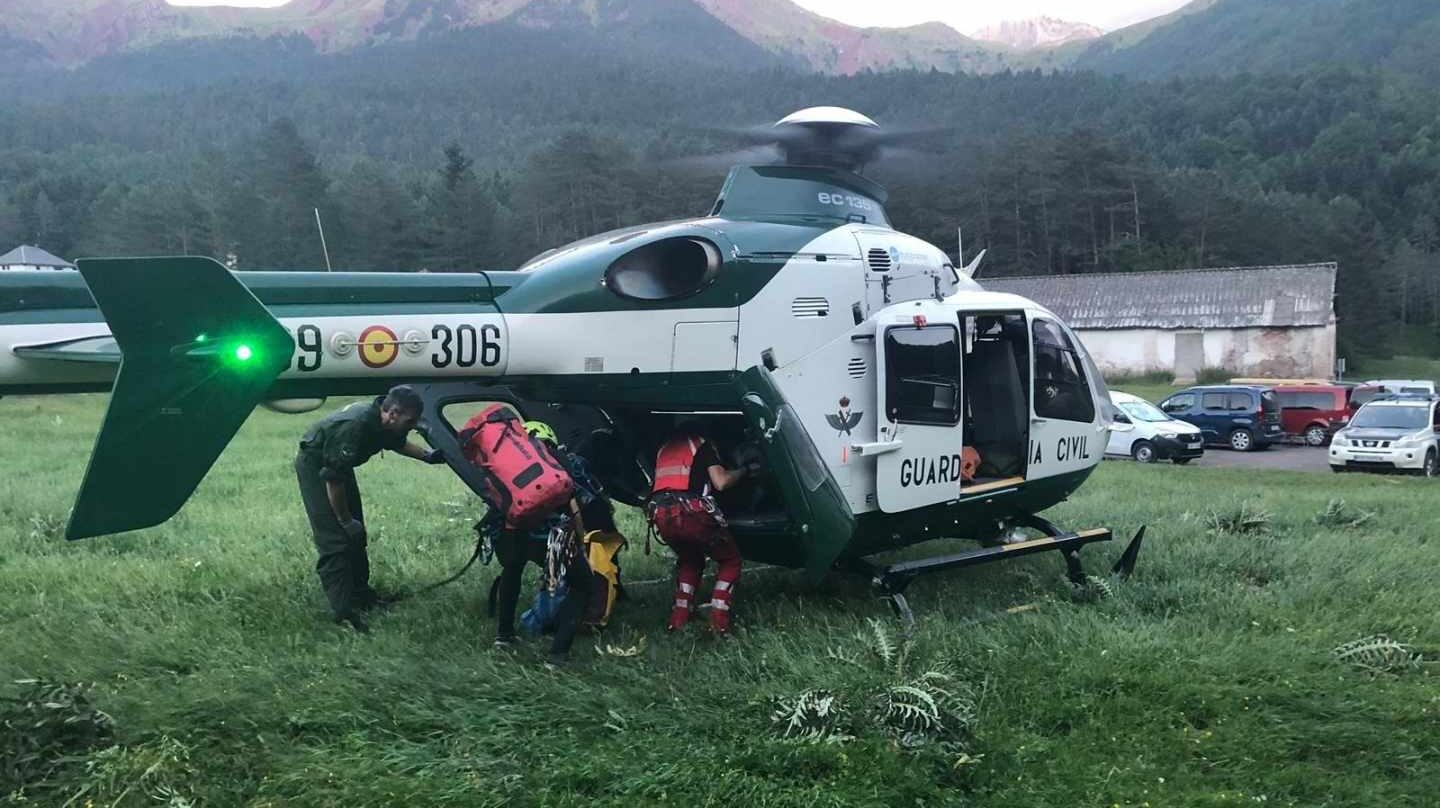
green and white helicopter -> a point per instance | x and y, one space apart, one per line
888 397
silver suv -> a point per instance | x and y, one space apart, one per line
1395 433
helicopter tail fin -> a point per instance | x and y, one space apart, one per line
1125 565
974 266
198 352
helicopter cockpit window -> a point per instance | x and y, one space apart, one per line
1061 390
922 384
664 270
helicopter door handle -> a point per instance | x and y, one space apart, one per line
871 449
769 434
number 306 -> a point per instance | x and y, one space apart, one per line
462 346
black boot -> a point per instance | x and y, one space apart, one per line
356 622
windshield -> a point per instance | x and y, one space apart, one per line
1143 411
1407 418
1096 379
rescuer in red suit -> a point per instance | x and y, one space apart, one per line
685 516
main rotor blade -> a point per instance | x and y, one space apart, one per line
721 161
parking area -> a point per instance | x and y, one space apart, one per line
1279 457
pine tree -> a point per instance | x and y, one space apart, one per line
288 187
44 220
462 216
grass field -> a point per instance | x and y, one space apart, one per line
1208 679
1151 392
1397 367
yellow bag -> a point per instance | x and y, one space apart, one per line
602 548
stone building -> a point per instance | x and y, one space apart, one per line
1276 322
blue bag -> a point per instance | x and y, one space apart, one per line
540 617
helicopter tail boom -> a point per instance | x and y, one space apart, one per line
199 351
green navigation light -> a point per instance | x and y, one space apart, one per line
244 353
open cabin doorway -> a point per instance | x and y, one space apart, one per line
995 398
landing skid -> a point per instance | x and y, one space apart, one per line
891 581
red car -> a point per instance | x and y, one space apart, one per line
1361 394
1313 411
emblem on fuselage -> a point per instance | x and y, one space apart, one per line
844 421
378 346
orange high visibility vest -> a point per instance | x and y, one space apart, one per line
674 462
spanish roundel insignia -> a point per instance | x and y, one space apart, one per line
378 346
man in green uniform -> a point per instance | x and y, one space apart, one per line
325 467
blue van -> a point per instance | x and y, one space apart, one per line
1241 417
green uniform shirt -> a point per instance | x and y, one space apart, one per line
346 439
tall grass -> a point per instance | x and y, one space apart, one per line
1223 673
1216 375
1148 377
1396 367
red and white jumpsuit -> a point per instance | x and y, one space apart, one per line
688 520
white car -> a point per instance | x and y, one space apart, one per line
1142 431
1391 434
1408 386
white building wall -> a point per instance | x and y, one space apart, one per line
1262 352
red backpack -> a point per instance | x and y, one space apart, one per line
526 481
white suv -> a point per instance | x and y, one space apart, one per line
1407 386
1390 434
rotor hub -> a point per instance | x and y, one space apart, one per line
828 136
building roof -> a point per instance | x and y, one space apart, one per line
25 255
1240 297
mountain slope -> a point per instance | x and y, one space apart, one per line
830 46
76 31
73 32
1222 37
1204 37
1037 32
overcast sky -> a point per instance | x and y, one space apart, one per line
964 15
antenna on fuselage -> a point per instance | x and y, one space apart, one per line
324 249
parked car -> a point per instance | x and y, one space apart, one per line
1312 411
1363 394
1260 382
1241 417
1368 391
1424 386
1391 434
1143 432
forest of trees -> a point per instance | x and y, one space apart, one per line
477 150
